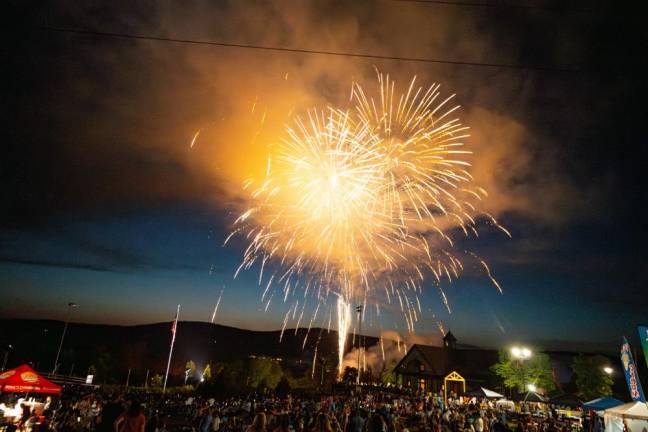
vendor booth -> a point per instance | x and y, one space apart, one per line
567 405
634 415
505 404
24 379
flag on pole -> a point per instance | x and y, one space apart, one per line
643 337
630 370
174 328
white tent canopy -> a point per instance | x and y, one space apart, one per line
484 392
634 414
491 393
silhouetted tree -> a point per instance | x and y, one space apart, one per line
591 380
518 374
262 370
283 387
157 380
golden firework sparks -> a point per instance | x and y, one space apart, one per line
362 201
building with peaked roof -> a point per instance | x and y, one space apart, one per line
425 367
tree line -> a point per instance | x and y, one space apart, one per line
589 380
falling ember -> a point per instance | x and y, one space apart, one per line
216 307
314 362
363 202
488 272
195 137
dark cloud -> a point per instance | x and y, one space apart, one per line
76 249
55 263
103 124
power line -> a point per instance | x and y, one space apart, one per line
300 50
496 5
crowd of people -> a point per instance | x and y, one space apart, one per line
371 411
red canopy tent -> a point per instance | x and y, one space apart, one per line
24 379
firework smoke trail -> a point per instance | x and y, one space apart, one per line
365 200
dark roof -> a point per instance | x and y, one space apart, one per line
472 364
567 400
530 397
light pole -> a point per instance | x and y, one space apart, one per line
43 344
70 305
7 350
521 354
359 310
323 361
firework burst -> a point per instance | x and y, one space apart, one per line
361 204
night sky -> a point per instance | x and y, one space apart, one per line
105 203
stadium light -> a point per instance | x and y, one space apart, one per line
521 353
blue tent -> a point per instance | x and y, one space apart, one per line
602 403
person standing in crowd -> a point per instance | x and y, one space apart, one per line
206 421
258 424
376 424
283 424
216 421
132 420
24 416
479 424
322 423
498 425
356 422
109 413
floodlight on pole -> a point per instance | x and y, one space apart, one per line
608 370
359 310
521 353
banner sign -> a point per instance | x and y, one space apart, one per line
630 370
643 337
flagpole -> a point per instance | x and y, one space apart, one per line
174 329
